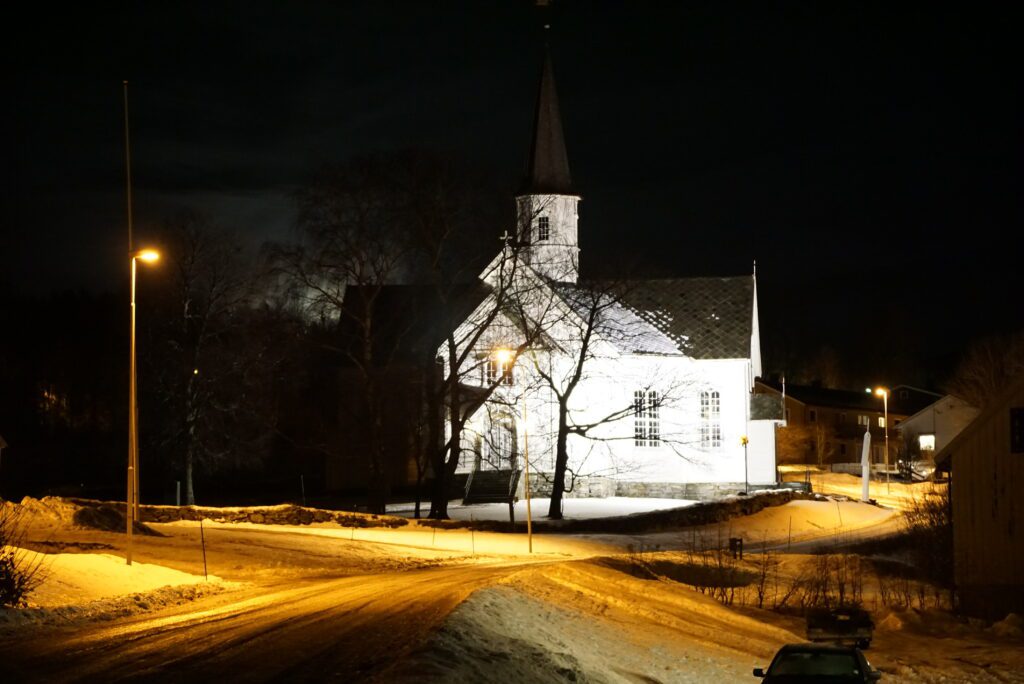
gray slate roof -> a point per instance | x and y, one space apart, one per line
703 318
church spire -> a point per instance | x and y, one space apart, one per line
546 213
548 168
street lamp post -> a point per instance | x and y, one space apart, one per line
132 500
746 478
505 358
884 393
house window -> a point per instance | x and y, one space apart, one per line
499 368
842 449
881 422
710 420
842 418
812 416
543 228
864 420
646 423
926 442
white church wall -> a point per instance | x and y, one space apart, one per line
679 457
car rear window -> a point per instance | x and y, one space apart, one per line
810 663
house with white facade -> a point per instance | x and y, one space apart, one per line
928 431
650 379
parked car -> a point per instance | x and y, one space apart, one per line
915 471
818 663
845 626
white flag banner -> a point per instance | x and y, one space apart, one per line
865 467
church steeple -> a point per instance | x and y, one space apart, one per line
546 202
548 169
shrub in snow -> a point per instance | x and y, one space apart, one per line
929 523
18 575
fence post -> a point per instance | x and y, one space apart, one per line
202 539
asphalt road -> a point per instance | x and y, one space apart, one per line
345 629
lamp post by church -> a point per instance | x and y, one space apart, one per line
746 478
505 358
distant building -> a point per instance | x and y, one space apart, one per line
986 466
928 431
827 426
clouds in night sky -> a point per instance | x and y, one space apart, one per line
868 156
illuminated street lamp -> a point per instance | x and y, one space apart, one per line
132 503
505 357
884 393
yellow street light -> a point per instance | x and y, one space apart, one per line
884 393
132 503
505 356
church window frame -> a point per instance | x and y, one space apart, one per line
543 229
498 371
646 419
711 419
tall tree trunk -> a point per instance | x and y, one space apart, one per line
190 498
561 461
446 460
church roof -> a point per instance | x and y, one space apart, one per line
548 169
703 318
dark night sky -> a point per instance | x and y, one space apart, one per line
869 156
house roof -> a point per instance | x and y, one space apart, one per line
944 459
547 171
812 395
949 398
703 318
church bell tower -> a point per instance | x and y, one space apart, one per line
546 204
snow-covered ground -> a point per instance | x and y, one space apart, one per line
488 609
572 509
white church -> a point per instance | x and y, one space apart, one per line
655 377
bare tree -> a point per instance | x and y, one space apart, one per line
213 381
413 218
986 368
467 353
353 247
582 325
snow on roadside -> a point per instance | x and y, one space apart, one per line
15 619
102 586
500 634
74 578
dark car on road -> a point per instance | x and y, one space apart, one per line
845 625
824 663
